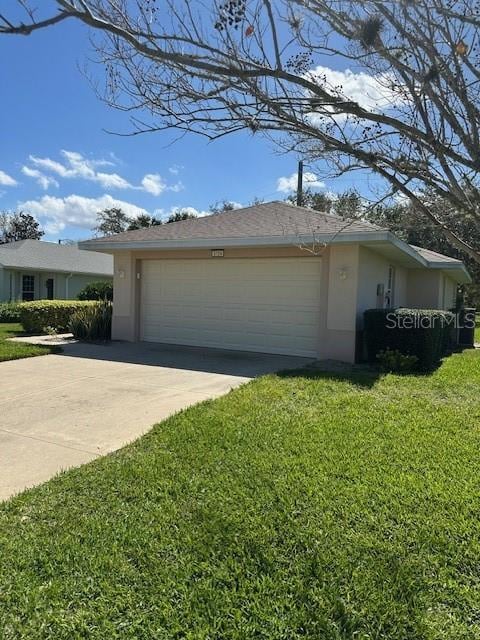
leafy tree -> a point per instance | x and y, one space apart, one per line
181 214
111 221
348 205
17 225
143 221
221 206
102 290
221 67
313 200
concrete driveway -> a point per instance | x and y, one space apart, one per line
58 411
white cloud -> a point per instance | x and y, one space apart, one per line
48 164
154 184
112 181
178 186
76 166
41 179
287 184
74 210
373 93
6 180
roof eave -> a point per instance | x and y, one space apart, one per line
365 237
457 269
54 270
262 241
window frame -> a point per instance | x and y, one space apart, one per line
28 290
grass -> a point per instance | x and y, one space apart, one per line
298 506
16 350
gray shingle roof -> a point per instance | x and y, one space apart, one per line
49 256
268 219
434 257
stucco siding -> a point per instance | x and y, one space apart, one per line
401 287
125 307
350 276
449 293
372 271
425 289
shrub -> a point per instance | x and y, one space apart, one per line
97 291
396 362
93 322
424 333
37 315
10 312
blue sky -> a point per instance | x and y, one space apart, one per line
57 161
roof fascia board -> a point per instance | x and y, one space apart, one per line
265 241
366 237
53 270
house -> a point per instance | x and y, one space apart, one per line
271 278
33 270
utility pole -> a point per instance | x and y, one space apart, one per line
300 184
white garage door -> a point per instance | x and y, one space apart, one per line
267 305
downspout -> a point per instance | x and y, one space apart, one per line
67 278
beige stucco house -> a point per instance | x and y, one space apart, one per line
271 278
34 270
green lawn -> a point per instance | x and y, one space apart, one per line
298 506
15 350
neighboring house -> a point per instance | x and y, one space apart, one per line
36 270
271 278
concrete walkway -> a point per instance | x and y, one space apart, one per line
58 411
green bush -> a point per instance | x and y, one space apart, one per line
93 322
10 311
36 316
424 333
97 291
396 362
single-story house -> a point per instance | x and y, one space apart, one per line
271 278
36 270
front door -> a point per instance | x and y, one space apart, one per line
49 286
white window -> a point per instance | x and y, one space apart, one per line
28 288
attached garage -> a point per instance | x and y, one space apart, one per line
270 278
267 305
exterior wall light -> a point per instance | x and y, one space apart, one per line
343 273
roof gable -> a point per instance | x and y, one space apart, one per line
270 219
49 256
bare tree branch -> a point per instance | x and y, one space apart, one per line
220 67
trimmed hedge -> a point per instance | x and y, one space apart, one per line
10 311
102 290
427 334
36 316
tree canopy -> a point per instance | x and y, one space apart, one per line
411 113
17 225
115 220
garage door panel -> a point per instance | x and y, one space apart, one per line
270 305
